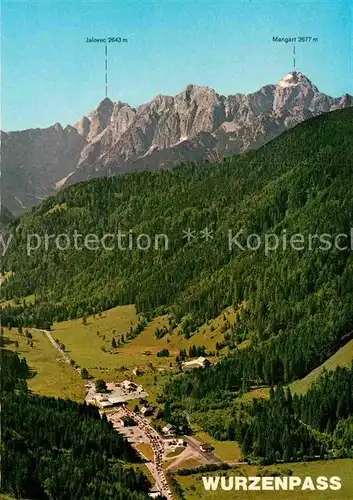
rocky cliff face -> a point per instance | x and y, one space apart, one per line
116 138
32 161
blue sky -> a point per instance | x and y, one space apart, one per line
50 73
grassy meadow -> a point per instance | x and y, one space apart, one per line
343 357
52 376
90 345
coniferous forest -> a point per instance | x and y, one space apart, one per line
284 427
305 427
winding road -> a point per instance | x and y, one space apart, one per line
157 445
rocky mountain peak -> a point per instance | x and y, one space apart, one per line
196 90
295 78
58 127
83 126
100 118
294 91
105 104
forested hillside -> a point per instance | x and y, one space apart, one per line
55 448
299 303
283 428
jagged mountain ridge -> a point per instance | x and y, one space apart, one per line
116 138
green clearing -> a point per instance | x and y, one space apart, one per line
90 345
343 357
146 450
74 334
85 343
189 463
193 488
257 393
94 351
52 375
176 452
207 335
30 299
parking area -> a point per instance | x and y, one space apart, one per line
118 393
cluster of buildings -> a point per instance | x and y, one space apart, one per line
176 443
117 395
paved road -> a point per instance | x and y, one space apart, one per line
152 435
157 446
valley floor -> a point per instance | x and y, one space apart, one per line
90 345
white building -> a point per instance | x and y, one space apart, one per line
155 492
196 363
129 386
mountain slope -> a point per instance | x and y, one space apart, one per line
33 161
116 138
299 302
5 216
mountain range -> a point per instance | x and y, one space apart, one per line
116 138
